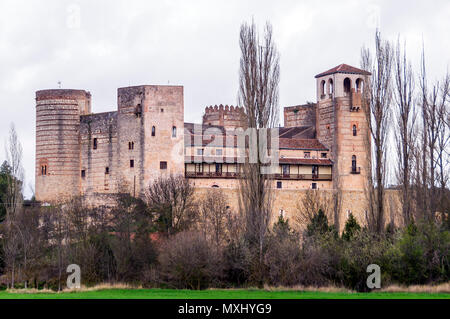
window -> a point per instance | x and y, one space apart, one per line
315 170
162 110
199 168
138 110
200 151
354 130
347 85
219 168
107 170
219 151
359 85
174 131
323 155
162 165
322 88
153 131
131 163
330 87
44 170
307 154
83 173
95 144
313 185
279 184
215 186
286 169
131 145
354 163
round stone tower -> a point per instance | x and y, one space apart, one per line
58 142
230 117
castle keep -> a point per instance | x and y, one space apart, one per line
80 153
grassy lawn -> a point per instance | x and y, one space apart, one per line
217 294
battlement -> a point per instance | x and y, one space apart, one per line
226 116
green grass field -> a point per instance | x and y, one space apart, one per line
217 294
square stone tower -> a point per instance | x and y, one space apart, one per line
150 135
342 125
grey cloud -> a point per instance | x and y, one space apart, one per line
192 43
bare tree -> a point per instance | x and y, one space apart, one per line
258 94
443 152
171 198
215 217
405 121
13 202
435 139
310 204
377 97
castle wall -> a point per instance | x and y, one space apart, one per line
287 201
99 170
300 115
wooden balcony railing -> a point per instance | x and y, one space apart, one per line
211 175
314 177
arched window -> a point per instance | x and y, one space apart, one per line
359 85
153 131
322 88
330 86
347 85
174 131
354 163
354 130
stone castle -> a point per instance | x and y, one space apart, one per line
79 153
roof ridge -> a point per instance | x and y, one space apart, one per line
343 68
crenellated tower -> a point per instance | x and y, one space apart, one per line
230 117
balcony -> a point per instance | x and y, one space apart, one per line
355 170
210 175
308 177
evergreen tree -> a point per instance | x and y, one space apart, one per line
318 225
5 171
351 228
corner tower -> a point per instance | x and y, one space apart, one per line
58 142
342 125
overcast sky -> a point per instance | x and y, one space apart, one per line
102 45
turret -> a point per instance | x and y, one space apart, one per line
58 142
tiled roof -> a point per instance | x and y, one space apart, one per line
303 144
343 68
304 132
300 137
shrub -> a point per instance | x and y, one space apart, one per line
420 254
283 255
237 262
188 260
